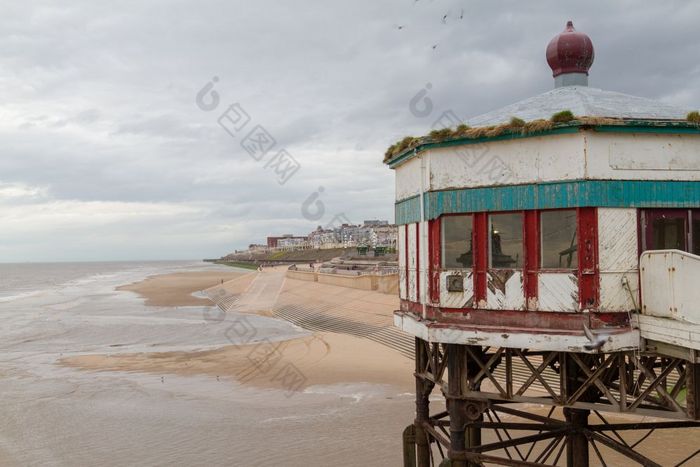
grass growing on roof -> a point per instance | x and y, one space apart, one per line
516 126
565 116
516 122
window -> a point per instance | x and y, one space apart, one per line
506 241
676 229
666 229
457 242
559 243
668 233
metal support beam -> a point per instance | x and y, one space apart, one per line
576 441
423 390
627 382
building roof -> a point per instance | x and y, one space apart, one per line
582 101
570 54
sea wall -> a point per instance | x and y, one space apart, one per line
388 284
302 275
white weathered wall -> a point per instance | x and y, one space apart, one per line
412 263
618 252
408 179
643 156
401 246
558 157
558 292
512 297
584 155
423 264
456 299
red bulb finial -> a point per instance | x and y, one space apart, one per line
570 52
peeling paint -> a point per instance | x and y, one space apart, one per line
505 290
558 292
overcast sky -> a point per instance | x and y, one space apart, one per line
106 155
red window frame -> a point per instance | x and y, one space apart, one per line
588 267
489 240
539 245
439 238
694 235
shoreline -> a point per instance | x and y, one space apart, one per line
176 289
289 365
321 358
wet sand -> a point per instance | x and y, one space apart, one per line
321 358
177 289
60 415
325 365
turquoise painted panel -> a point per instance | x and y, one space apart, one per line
407 211
581 193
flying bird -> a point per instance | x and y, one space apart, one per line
597 340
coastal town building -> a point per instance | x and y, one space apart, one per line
370 234
290 242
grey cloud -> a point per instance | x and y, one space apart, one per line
98 101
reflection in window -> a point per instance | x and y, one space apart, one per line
668 233
457 242
506 243
559 244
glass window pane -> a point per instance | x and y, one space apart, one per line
668 233
456 242
696 235
506 249
559 244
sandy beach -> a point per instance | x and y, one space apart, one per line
321 358
323 379
176 289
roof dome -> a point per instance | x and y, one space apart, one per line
570 52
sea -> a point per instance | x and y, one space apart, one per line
53 415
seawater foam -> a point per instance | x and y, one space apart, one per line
19 296
356 391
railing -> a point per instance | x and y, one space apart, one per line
670 281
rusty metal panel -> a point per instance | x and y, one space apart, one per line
618 239
670 284
615 295
457 299
558 292
668 330
412 261
505 290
